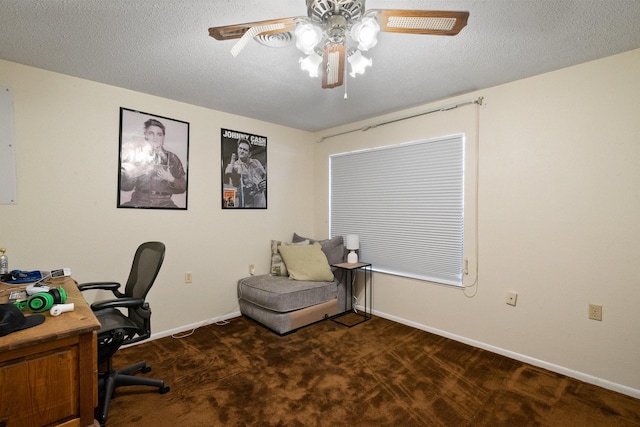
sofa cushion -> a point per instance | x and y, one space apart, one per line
333 248
278 267
306 262
281 294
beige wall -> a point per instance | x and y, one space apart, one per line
66 215
558 221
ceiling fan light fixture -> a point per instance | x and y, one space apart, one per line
308 36
365 33
311 64
358 63
337 31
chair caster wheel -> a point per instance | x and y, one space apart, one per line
145 369
164 389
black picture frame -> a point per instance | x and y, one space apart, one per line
244 170
153 162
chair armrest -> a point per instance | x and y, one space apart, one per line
118 303
107 286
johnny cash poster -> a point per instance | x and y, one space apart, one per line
244 170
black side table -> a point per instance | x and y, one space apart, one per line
351 270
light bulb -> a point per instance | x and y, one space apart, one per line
307 37
365 33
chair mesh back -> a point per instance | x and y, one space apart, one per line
144 270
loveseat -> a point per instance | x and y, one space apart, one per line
302 287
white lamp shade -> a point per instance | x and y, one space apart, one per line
353 242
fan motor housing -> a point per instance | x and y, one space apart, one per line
321 10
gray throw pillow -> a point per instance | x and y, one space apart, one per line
333 248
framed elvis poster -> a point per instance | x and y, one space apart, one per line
154 159
244 170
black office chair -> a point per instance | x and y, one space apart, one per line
118 329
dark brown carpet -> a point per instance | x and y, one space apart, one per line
378 373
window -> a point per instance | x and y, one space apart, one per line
406 202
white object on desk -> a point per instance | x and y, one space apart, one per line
34 289
58 309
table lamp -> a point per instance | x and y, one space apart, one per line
353 244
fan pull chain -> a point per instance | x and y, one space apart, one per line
345 83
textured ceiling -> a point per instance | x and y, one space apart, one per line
162 47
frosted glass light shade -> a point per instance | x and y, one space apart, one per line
311 64
358 63
307 37
366 33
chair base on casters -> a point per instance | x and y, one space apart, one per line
111 379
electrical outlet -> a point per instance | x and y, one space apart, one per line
187 277
595 312
252 269
512 297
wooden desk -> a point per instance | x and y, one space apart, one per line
49 373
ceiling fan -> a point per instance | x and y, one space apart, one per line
336 31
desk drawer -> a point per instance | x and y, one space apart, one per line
39 389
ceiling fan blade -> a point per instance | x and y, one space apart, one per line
333 66
236 31
434 22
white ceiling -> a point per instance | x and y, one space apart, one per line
162 47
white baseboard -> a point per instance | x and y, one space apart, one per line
521 357
186 328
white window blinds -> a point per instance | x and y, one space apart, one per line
406 202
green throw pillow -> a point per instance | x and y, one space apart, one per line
278 268
306 262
